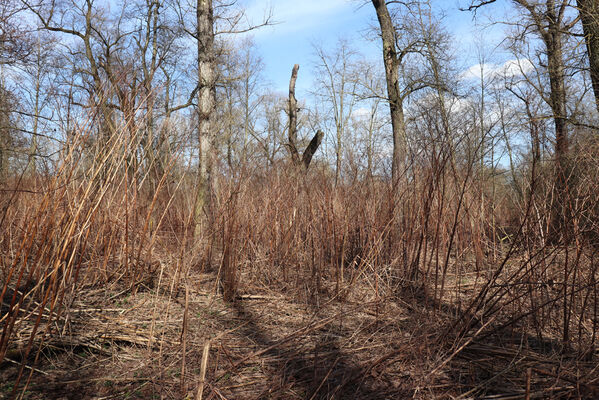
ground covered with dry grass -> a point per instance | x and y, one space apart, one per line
267 345
148 343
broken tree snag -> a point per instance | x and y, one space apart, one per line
293 117
312 147
293 109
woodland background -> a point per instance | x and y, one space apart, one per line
171 227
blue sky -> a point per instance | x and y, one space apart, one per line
302 23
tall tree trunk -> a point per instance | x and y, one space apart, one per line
391 61
206 104
589 14
552 38
556 72
370 146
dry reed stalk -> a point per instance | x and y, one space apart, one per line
528 377
184 341
203 367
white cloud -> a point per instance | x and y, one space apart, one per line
361 112
510 68
474 72
516 68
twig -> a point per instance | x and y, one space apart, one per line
256 297
26 366
462 347
528 376
325 378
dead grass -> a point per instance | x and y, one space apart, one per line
266 346
128 345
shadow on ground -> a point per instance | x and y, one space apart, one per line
314 365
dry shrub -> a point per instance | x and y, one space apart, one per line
452 240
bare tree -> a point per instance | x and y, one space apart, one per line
231 20
15 46
274 140
241 82
39 70
205 109
292 110
392 59
550 22
7 128
337 82
155 38
89 26
239 94
404 45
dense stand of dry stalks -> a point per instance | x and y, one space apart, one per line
465 247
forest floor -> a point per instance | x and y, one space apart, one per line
115 343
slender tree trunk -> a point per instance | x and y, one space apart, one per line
152 33
36 111
4 131
340 124
338 154
589 14
370 146
230 127
206 104
33 146
246 106
391 62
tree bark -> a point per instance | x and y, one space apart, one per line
556 71
392 61
205 109
589 14
312 147
293 117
